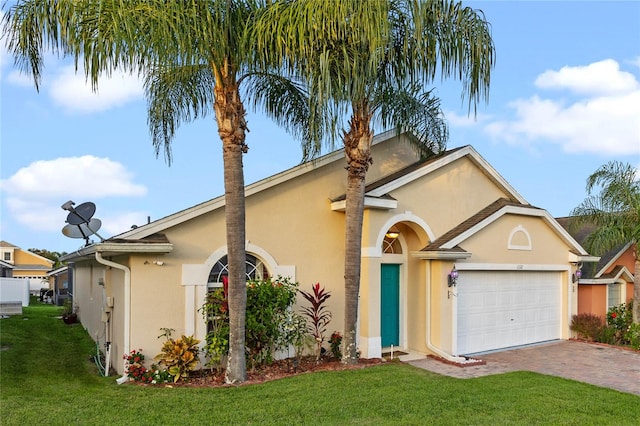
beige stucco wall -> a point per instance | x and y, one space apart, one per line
448 195
491 245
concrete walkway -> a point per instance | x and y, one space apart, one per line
599 365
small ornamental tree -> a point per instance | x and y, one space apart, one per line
268 324
318 314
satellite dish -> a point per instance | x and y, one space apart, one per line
81 214
80 222
82 230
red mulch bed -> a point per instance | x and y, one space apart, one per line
207 378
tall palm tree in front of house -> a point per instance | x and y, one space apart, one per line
615 211
194 63
368 59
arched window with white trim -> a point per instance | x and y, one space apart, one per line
255 269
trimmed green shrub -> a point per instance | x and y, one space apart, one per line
633 336
620 318
270 324
267 305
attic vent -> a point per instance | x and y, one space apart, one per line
519 239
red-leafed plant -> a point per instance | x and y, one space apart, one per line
318 313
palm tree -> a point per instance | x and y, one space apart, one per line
615 211
367 59
194 62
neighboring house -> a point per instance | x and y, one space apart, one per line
607 283
61 284
423 220
27 265
6 269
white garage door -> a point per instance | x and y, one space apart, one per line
503 309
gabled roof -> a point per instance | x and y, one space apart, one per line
377 192
381 188
607 260
620 272
448 157
448 244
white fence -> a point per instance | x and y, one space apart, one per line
14 290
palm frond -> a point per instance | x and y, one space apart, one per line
455 41
286 101
176 95
408 109
614 210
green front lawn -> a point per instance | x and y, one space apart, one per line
46 377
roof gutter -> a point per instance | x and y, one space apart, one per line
119 248
127 304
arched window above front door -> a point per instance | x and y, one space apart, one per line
391 245
254 270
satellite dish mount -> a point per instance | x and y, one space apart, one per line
80 221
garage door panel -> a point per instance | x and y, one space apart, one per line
503 309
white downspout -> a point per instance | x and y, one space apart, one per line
127 304
430 345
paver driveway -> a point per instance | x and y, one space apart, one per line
599 365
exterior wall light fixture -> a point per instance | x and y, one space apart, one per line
577 275
453 277
392 233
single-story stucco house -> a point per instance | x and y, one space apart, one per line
469 267
607 283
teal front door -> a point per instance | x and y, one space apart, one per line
390 305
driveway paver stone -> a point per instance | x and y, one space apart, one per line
600 365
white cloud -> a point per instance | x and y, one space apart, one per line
73 92
635 61
605 120
119 223
35 193
457 120
603 77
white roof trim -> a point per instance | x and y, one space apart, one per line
441 162
57 271
440 255
624 274
369 202
524 211
613 260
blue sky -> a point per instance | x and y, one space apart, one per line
565 99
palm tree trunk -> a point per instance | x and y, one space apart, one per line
230 115
636 289
357 143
